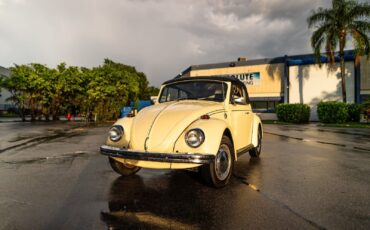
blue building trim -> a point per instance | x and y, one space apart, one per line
286 80
304 59
357 82
309 59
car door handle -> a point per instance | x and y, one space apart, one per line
247 113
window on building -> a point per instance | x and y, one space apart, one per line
265 106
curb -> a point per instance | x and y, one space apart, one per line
320 142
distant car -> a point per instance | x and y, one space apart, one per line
139 106
197 122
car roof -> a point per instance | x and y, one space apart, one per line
212 78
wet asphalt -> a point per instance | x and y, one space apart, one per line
53 177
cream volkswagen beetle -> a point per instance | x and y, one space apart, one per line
198 122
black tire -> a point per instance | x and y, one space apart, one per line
218 173
256 151
123 169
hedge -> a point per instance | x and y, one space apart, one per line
354 112
332 112
295 113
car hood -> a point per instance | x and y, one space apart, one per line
156 128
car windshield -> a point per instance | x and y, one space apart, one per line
194 90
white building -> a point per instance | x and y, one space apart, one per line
292 79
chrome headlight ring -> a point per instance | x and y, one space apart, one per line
116 133
194 138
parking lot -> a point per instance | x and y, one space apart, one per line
53 177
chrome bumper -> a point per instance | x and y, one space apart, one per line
195 158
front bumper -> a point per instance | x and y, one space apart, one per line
194 158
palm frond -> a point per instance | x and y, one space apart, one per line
361 42
361 26
319 16
319 33
317 49
331 44
360 11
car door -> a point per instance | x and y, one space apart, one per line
241 118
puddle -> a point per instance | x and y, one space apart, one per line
42 139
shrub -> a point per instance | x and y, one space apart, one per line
366 107
295 113
354 112
12 110
332 112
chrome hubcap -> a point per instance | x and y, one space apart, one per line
223 162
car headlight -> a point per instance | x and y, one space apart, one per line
194 138
116 133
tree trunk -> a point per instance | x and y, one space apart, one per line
343 78
22 113
47 115
55 117
342 68
33 114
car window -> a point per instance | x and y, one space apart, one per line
194 90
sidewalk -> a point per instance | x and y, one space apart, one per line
10 119
18 119
352 138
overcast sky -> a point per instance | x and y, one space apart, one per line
159 37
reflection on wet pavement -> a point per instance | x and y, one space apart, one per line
136 202
66 184
348 138
33 141
179 200
68 157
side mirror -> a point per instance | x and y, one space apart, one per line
237 100
154 100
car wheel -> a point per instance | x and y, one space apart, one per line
256 151
123 169
218 173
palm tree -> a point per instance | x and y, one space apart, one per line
346 18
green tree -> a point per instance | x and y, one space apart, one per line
39 89
16 84
101 91
334 26
151 91
65 90
110 87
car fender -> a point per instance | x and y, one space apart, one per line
213 129
256 123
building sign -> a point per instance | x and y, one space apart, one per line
247 78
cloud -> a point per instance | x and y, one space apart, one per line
159 37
